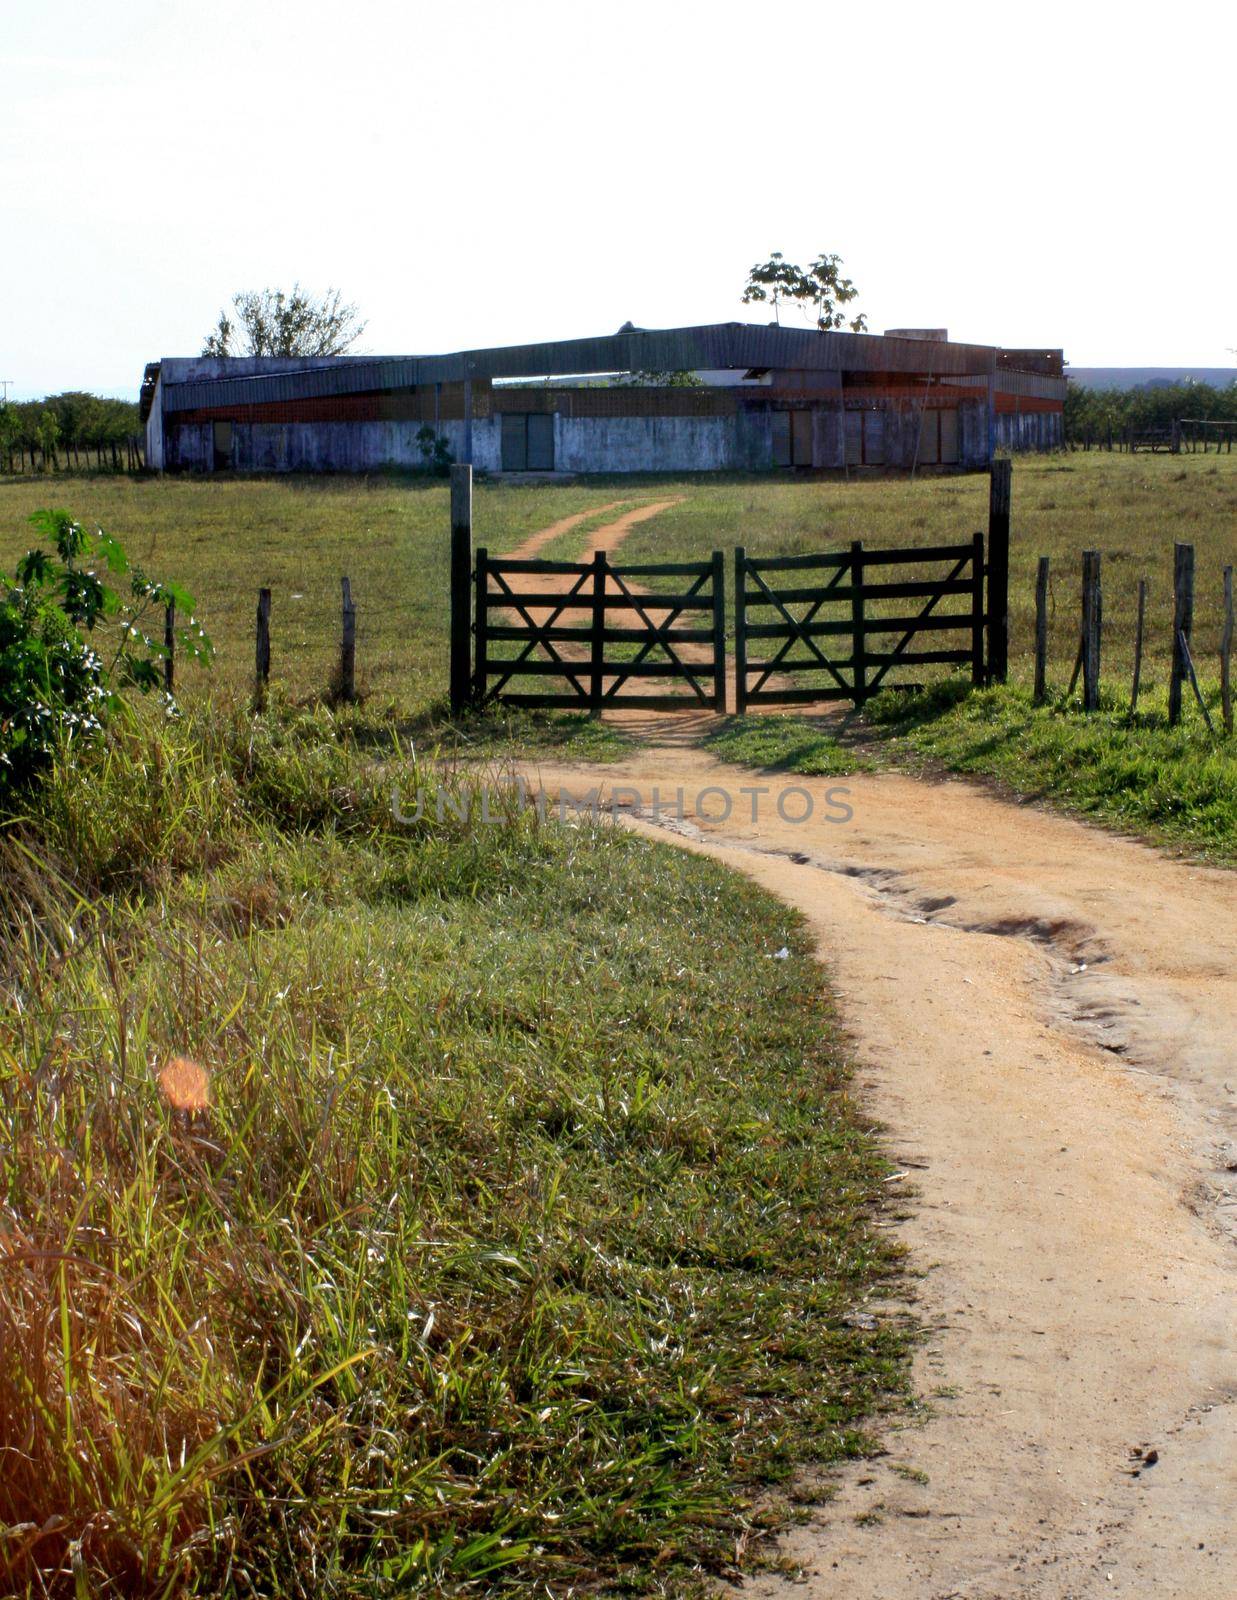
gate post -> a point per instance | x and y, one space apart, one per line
740 630
858 642
719 632
1183 624
1092 627
597 643
999 490
461 584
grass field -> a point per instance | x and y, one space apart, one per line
224 539
415 1209
407 1209
1131 508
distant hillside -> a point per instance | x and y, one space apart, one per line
1150 377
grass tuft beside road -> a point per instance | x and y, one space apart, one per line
1175 785
406 1208
783 744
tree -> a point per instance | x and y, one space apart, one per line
49 435
10 431
270 322
647 378
821 288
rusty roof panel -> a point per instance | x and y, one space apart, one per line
727 345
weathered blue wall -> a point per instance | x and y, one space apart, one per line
644 444
742 441
1030 430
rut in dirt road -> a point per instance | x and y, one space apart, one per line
1043 1019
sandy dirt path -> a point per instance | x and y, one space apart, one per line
606 538
536 542
1045 1019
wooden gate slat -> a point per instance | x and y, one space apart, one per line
862 628
581 616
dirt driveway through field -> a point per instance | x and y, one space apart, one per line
1045 1021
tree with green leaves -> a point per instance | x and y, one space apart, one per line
819 289
49 435
647 378
272 322
10 431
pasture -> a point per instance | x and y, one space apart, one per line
417 1209
225 538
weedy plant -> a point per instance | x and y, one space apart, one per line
400 1208
71 643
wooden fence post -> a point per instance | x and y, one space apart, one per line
1041 631
347 643
1226 653
999 490
740 630
169 646
719 632
1138 645
858 642
262 651
597 643
1092 629
1183 624
461 583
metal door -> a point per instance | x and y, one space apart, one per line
801 438
854 438
949 438
874 438
781 438
929 438
540 446
515 442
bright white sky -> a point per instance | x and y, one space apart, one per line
481 173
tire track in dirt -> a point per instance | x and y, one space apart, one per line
607 538
536 542
1042 1015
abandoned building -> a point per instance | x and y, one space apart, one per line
758 397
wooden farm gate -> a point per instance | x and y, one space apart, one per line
835 627
593 629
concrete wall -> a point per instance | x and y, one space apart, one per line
644 444
188 447
1030 430
973 433
154 430
741 442
319 446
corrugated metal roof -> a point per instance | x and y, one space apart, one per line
729 345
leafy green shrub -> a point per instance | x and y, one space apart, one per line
55 684
435 451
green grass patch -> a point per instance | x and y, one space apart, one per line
501 1231
783 744
1175 785
224 538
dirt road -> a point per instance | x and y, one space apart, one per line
1045 1018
